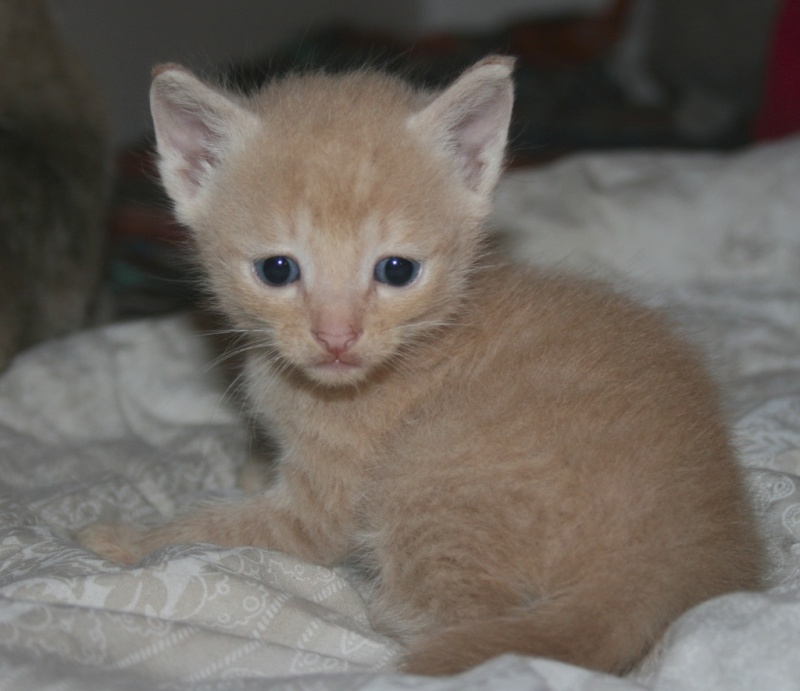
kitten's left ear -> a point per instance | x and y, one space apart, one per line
470 121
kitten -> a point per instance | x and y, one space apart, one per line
54 182
528 463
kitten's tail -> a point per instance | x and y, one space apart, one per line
585 638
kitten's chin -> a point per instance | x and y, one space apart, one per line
337 373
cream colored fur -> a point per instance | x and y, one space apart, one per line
527 463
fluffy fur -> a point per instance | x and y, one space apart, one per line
526 462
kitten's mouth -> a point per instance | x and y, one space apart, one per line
338 370
341 363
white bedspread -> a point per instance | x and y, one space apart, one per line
132 421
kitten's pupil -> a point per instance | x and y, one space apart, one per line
396 271
277 271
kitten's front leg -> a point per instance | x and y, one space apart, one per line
291 517
256 474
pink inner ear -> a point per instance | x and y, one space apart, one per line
478 133
194 141
477 136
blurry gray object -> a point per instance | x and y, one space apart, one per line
54 182
706 56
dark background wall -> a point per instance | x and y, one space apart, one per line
123 39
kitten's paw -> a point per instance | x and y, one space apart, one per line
118 542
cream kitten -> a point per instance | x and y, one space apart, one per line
528 463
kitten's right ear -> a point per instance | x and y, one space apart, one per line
195 126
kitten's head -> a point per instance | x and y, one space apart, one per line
338 217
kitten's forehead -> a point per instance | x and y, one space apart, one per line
373 232
357 202
337 163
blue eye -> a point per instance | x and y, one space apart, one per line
396 271
277 271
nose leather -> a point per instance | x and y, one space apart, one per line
337 342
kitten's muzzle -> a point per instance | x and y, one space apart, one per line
337 343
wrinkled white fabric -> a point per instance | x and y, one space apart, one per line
665 217
133 422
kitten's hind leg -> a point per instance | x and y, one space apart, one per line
457 608
586 637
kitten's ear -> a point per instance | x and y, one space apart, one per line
195 126
470 120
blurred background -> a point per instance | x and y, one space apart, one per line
122 40
703 60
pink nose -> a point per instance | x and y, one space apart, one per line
337 342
